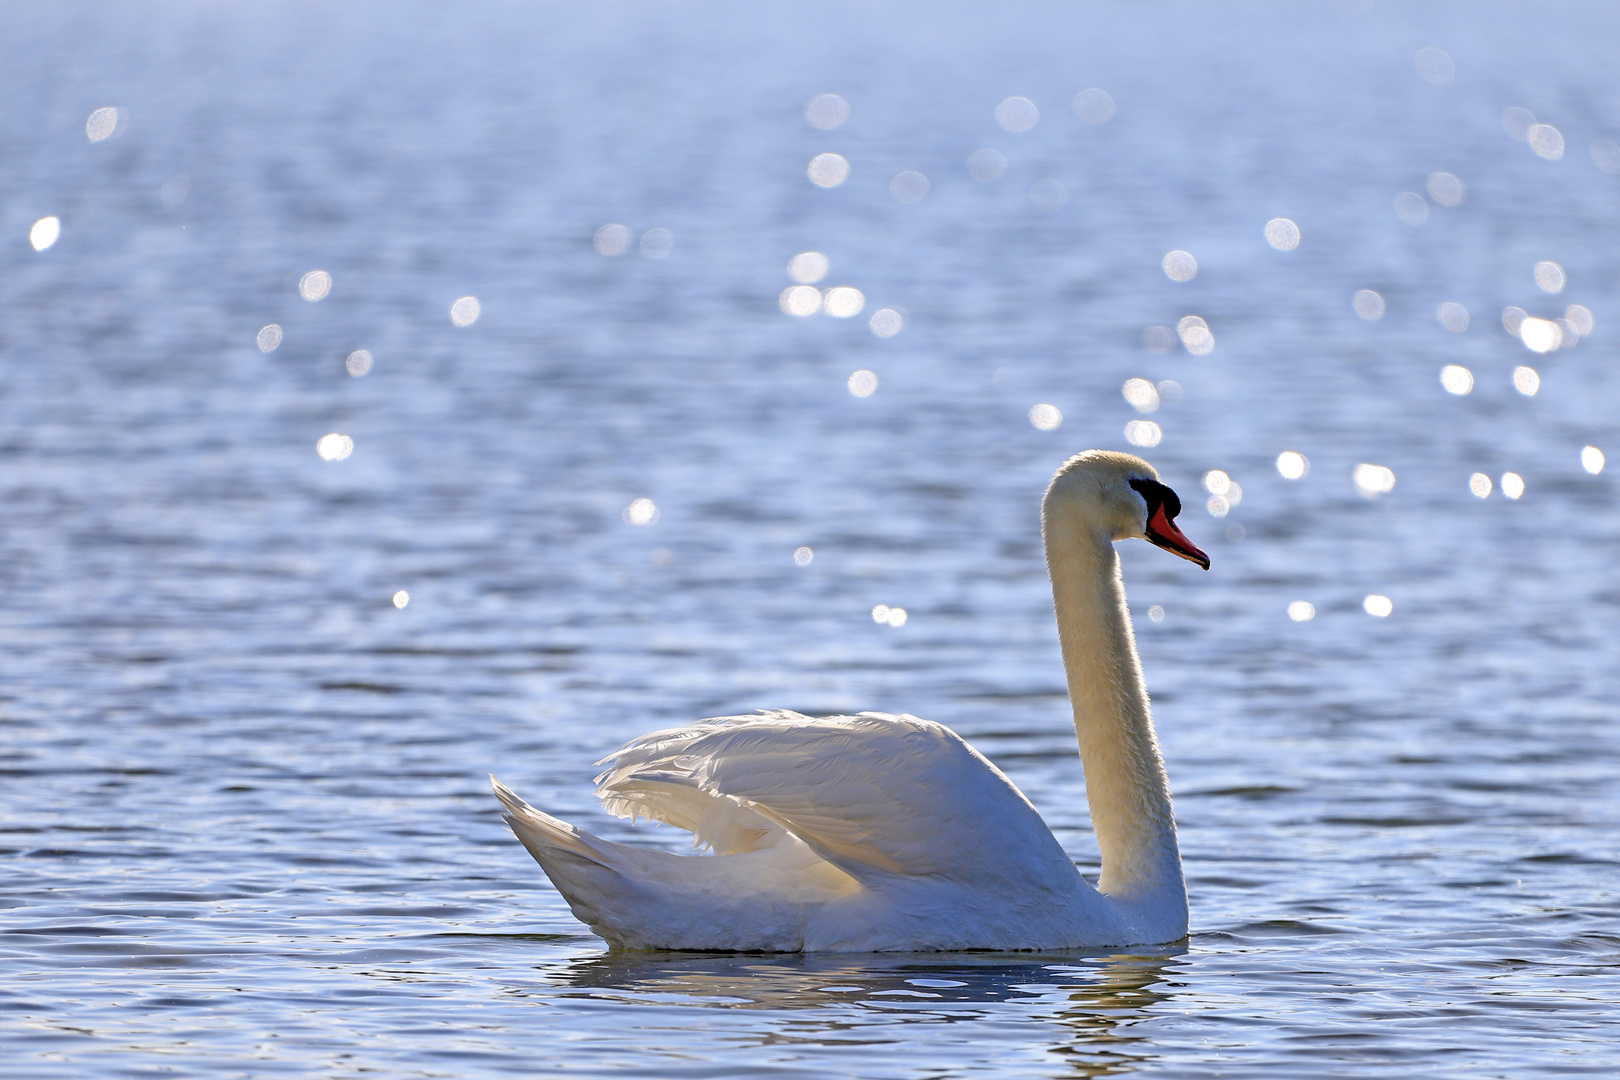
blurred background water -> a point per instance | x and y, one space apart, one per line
252 694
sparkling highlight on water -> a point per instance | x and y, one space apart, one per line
1046 417
1282 234
315 285
1017 114
1456 379
884 615
641 512
44 233
334 447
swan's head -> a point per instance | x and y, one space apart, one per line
1120 496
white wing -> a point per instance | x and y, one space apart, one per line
872 794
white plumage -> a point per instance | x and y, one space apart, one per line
878 832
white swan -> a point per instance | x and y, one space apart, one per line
878 833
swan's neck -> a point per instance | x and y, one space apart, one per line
1125 778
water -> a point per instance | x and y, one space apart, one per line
246 827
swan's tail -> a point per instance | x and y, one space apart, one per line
579 864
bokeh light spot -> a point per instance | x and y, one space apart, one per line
884 615
1546 140
1512 485
45 232
334 447
104 123
1282 234
808 267
1526 381
1480 485
1095 106
1550 277
1048 195
986 165
826 111
1180 266
909 186
887 322
1368 304
1540 335
1045 416
1592 459
358 363
1580 317
1606 156
1302 611
803 556
802 301
315 285
401 598
1292 465
612 239
1373 480
1435 66
827 170
657 243
268 338
174 191
465 311
1456 379
1195 335
1143 433
1452 316
843 301
641 512
1142 394
1378 606
1517 122
1446 189
862 383
1017 114
1411 208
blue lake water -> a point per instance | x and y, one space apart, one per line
245 827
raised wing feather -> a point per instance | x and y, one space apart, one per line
873 794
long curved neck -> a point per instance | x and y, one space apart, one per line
1125 779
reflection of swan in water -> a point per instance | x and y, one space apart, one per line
1101 1015
1096 999
889 833
816 980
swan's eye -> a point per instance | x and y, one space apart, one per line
1157 495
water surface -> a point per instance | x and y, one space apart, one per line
244 821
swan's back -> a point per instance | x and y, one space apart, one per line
843 832
872 794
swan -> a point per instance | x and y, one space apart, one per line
883 833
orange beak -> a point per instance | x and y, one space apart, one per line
1162 532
